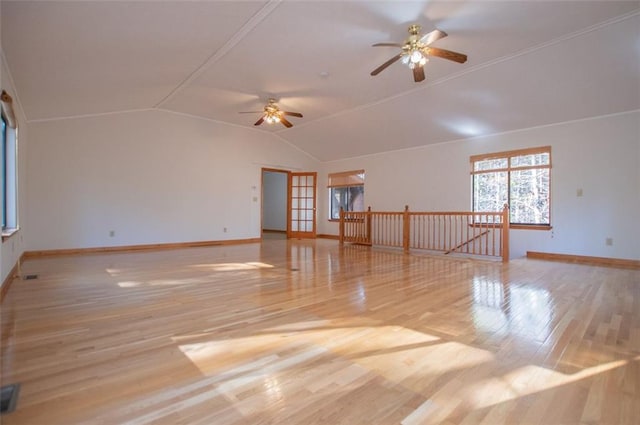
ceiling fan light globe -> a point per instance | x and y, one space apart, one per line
423 61
416 56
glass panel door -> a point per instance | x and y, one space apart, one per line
302 205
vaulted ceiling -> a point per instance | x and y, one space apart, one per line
531 63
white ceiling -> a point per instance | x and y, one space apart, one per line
531 63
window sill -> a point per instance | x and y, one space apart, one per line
530 226
8 232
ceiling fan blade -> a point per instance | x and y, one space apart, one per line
432 36
418 74
446 54
387 45
286 123
293 114
386 64
250 112
260 121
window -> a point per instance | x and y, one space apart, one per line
4 171
346 191
520 179
8 170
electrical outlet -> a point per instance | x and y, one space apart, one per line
224 230
579 192
609 241
112 233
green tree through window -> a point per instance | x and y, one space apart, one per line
519 178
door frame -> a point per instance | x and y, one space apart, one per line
289 203
288 189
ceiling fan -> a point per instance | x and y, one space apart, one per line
415 51
272 114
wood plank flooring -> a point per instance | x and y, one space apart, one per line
307 332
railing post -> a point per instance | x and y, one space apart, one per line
368 218
505 233
406 226
341 227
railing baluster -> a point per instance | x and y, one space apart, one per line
473 232
450 245
493 236
486 218
467 233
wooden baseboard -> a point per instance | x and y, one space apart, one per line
129 248
583 259
13 274
323 236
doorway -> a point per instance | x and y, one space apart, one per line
274 203
288 204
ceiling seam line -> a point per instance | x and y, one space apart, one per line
242 126
93 115
226 48
299 149
200 117
478 67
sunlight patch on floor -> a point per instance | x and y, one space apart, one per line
402 356
398 354
226 267
129 284
527 380
164 282
493 391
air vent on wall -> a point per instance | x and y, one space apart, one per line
9 398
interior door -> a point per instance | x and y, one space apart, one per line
302 205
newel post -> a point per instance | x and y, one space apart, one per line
368 215
406 225
505 233
341 227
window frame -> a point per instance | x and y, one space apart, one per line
509 155
344 180
3 152
9 171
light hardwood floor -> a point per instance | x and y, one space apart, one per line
306 332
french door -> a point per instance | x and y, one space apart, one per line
302 205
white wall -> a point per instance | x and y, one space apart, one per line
12 248
158 177
274 200
601 156
151 177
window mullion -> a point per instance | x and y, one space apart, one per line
509 189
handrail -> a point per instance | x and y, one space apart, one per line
474 233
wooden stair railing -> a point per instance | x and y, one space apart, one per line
474 233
